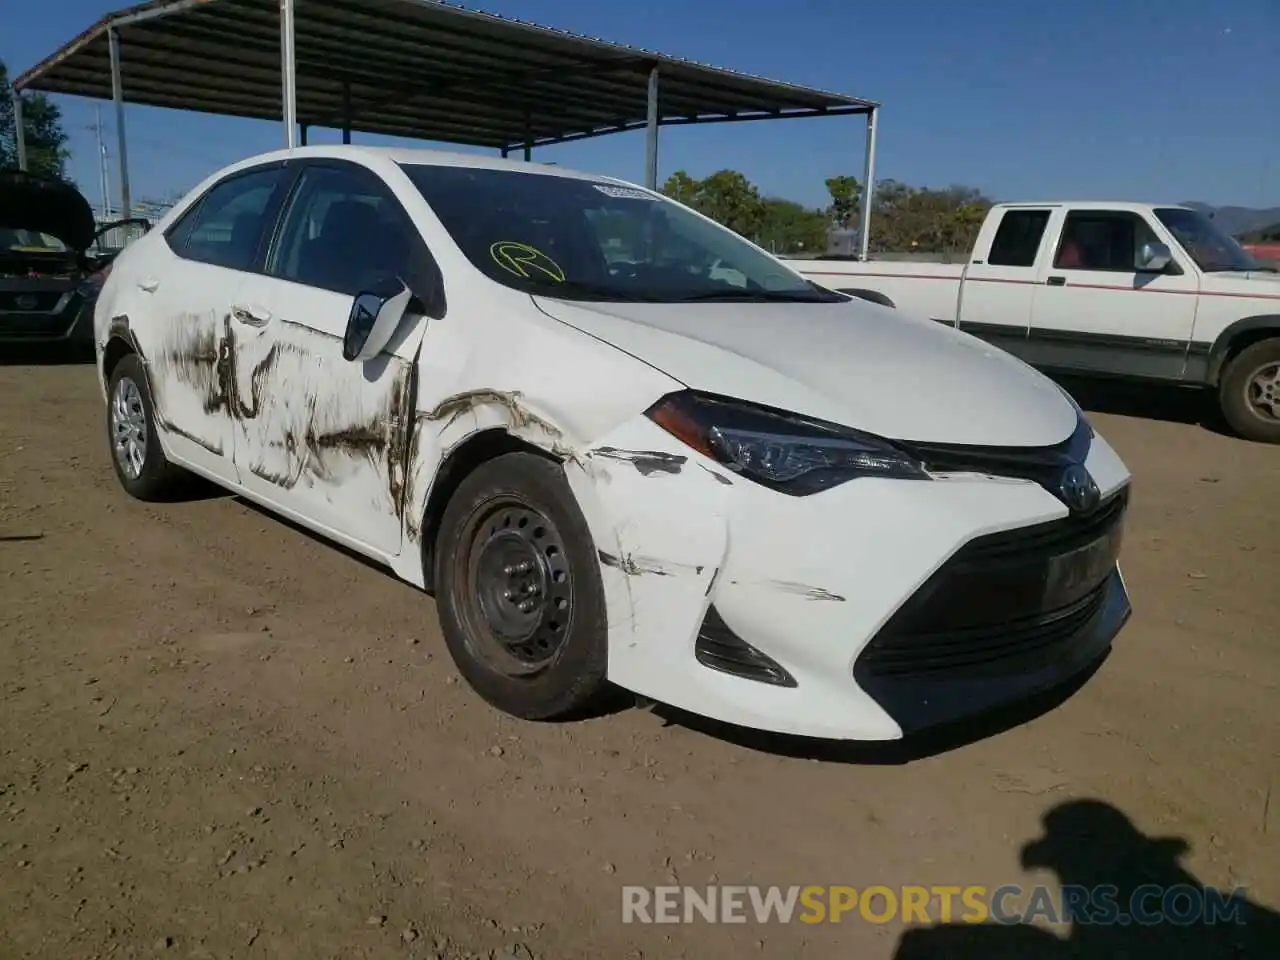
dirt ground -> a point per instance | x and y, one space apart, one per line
221 737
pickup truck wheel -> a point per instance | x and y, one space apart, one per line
1250 392
140 464
520 595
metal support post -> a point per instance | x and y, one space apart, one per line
288 74
104 168
346 111
868 187
651 134
122 148
19 130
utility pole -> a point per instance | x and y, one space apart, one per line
103 171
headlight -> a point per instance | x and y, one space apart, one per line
786 452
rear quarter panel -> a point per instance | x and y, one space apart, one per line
113 305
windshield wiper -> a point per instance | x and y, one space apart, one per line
601 291
754 296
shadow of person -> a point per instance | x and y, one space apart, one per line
1126 895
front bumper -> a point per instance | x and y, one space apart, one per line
66 319
809 609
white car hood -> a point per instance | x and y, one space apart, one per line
856 364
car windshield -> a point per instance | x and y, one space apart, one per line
581 239
1212 249
28 241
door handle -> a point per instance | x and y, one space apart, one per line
251 316
148 286
1057 281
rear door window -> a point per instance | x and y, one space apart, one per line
1018 237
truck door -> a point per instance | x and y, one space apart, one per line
1000 281
1095 312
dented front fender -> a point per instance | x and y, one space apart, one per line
537 379
659 522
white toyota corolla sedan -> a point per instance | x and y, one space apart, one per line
617 442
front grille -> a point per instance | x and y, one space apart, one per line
1041 465
35 326
719 648
1020 646
30 302
1001 605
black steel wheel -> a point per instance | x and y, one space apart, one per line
519 590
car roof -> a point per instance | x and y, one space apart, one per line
411 156
1125 205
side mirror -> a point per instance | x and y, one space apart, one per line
1154 258
375 315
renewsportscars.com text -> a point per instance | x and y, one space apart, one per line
1151 904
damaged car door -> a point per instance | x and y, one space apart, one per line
180 313
323 436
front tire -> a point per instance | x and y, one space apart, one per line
520 596
1249 393
139 462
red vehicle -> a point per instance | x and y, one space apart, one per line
1264 251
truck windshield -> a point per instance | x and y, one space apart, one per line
1213 250
581 239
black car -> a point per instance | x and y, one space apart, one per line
49 278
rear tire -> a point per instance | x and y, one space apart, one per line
1249 392
139 462
519 591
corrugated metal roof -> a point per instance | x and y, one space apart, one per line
421 69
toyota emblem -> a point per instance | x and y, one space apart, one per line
1077 490
26 301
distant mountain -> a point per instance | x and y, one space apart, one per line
1238 220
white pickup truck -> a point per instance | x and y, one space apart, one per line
1155 293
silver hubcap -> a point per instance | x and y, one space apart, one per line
128 428
1263 392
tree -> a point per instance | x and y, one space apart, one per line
789 228
1269 234
846 201
682 188
904 218
726 196
730 198
46 141
923 220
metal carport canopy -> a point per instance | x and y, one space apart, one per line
418 69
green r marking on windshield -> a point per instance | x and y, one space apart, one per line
520 258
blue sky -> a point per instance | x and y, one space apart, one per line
1161 100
